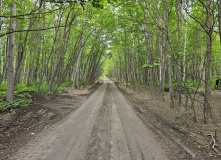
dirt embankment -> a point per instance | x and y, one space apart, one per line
17 128
176 126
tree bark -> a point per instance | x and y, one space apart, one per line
219 17
207 99
10 70
184 53
169 58
1 39
79 59
179 68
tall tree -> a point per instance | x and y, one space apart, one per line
10 70
207 98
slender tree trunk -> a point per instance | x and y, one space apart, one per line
219 18
179 68
76 77
184 54
169 58
207 99
2 59
2 78
10 70
24 70
1 39
162 76
125 60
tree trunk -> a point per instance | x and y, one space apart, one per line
2 78
184 54
219 18
1 40
77 74
125 60
207 99
10 70
179 28
169 58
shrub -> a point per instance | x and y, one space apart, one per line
166 87
100 78
3 87
44 87
83 82
62 89
20 87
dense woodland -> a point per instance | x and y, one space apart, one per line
165 44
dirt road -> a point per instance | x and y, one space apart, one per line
104 127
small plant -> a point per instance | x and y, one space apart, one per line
20 100
12 111
166 87
62 89
41 110
44 87
20 87
83 82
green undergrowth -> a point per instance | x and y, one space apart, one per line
99 79
62 89
21 87
20 100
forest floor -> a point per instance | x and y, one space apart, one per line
106 122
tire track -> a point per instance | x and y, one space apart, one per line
140 141
118 144
98 147
68 138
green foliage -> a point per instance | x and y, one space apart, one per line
20 100
147 66
20 87
156 64
195 84
213 83
3 87
180 54
62 89
100 78
44 87
83 82
166 87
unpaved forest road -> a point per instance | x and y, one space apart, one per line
104 127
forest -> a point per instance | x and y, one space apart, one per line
168 45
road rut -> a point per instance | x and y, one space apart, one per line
104 127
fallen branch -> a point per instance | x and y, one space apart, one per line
35 125
212 142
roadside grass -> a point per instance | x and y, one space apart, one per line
22 99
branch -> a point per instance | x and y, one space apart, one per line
66 1
21 15
212 142
30 30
